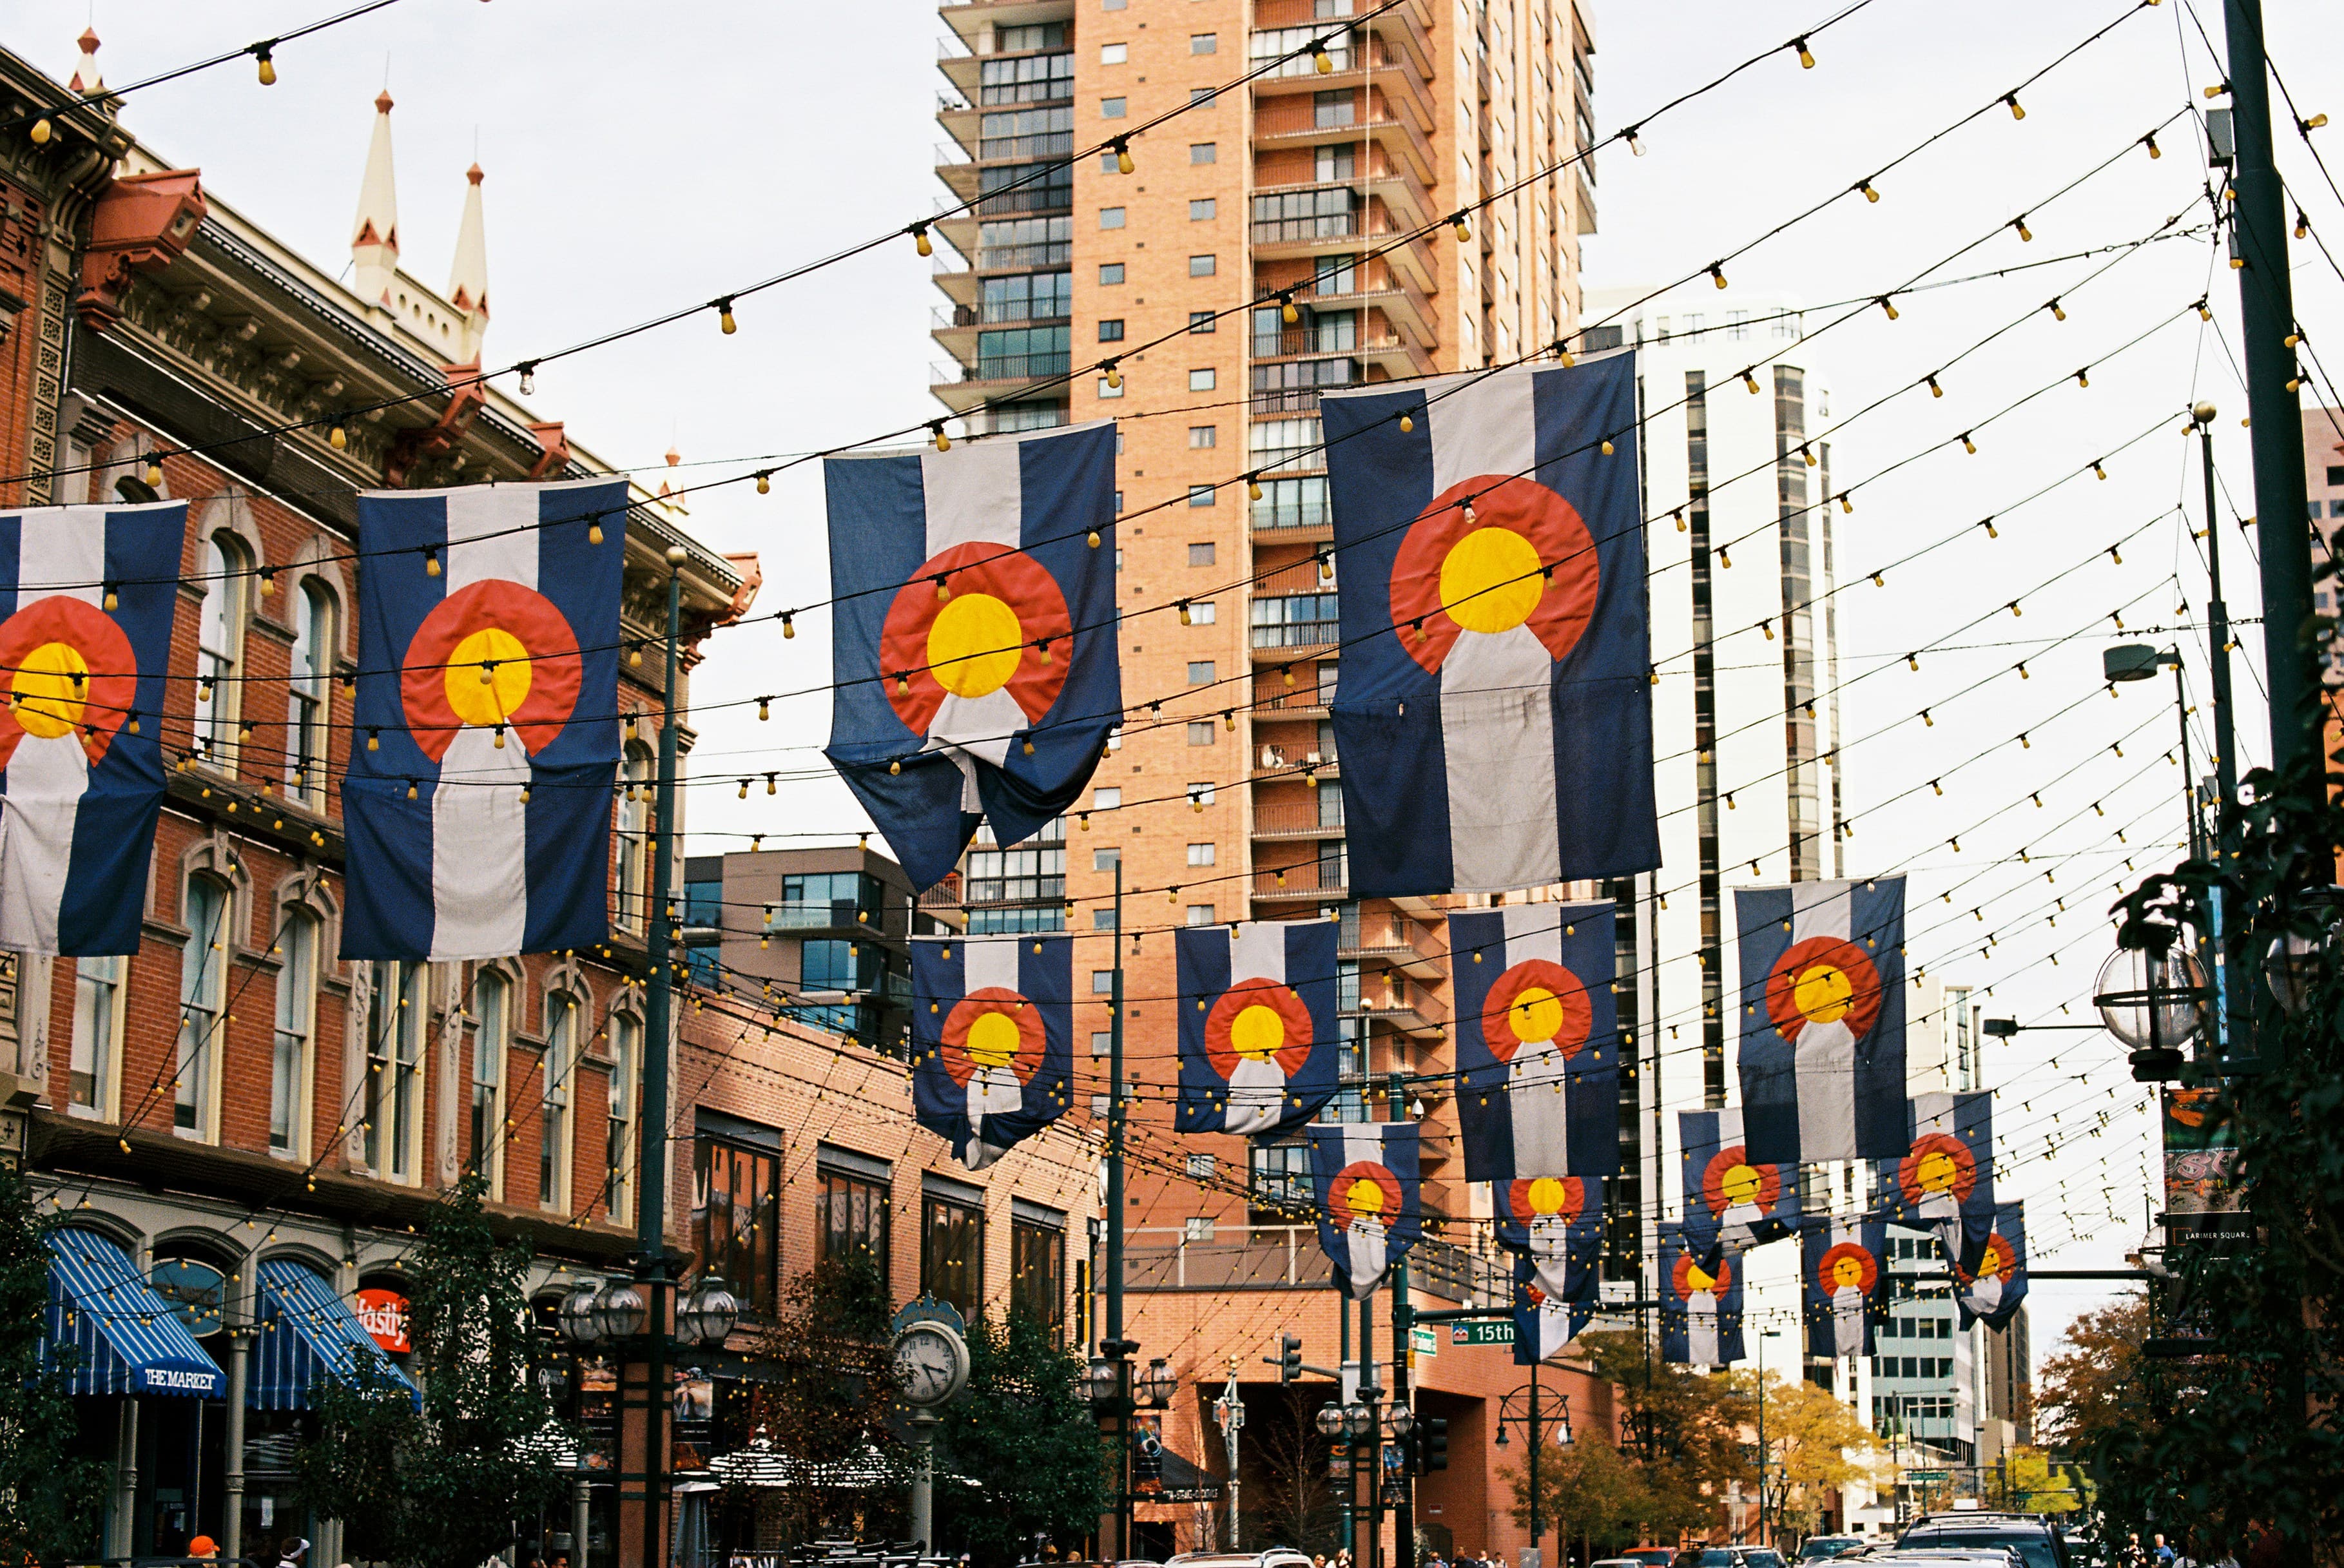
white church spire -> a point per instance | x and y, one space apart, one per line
468 280
374 239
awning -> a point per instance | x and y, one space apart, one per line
307 1332
113 1333
1182 1482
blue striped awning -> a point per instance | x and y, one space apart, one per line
113 1333
307 1332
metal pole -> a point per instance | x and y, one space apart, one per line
1115 1219
924 1424
2235 1027
1350 1447
1762 1438
2266 316
651 1162
2189 781
1374 1440
1404 1503
1533 1457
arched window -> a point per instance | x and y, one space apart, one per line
553 1119
636 801
297 1016
397 1020
202 965
626 1061
97 1084
310 705
492 1037
219 646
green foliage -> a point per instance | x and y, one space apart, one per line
1815 1446
1025 1434
1685 1441
441 1489
2241 1447
821 1404
48 1500
1589 1492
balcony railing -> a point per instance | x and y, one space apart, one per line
998 368
1404 1003
1300 230
1011 257
1327 879
943 317
1271 513
1039 145
824 914
1286 400
1377 934
1277 758
1270 696
1038 196
1295 819
1290 1258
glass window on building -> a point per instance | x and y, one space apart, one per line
1278 1183
1038 1269
952 1251
850 1218
736 1215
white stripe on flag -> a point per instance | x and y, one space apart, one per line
59 555
1257 1089
479 844
1553 1326
973 495
1822 909
1538 1114
1701 1330
1934 1112
989 961
1847 1322
491 532
1497 708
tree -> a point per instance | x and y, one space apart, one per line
1588 1492
2027 1481
2093 1388
821 1406
1293 1501
1815 1446
1687 1431
48 1500
441 1483
1024 1436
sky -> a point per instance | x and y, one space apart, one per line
640 159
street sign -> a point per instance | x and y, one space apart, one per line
1499 1331
1924 1475
1423 1340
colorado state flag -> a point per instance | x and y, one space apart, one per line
1257 1030
1701 1297
1555 1224
1544 1323
1823 1020
1751 1203
87 595
1946 1171
1845 1275
478 800
1990 1275
974 655
1496 657
1364 1175
1538 1040
993 1056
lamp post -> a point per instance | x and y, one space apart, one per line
2236 1017
1532 1416
1764 1335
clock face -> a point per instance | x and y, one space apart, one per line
930 1364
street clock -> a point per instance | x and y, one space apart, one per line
930 1361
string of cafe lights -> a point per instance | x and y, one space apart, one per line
722 305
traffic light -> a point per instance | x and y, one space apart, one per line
1290 1357
1431 1444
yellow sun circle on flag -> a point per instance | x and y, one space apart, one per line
1548 1194
975 644
1847 1273
1364 1196
1491 580
1740 1184
48 687
1824 993
1257 1033
1536 1016
993 1040
1700 1278
1936 1171
498 654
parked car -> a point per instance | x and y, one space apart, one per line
1762 1557
1821 1547
1276 1557
1650 1556
1620 1562
2038 1542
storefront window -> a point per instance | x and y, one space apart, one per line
1038 1272
952 1252
736 1216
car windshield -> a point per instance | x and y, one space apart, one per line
1762 1559
1827 1546
2034 1546
1714 1558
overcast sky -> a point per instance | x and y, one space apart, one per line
641 157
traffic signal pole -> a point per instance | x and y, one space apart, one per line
1404 1500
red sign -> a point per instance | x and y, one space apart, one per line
383 1313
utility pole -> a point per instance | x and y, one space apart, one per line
2235 1025
1404 1497
1230 1411
2266 316
649 1400
1535 1440
1116 1351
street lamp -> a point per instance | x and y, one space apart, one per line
1400 1420
620 1311
1157 1384
1104 1382
1359 1419
577 1316
2154 1002
706 1316
1329 1421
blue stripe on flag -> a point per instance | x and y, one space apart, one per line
1500 1104
1855 1097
